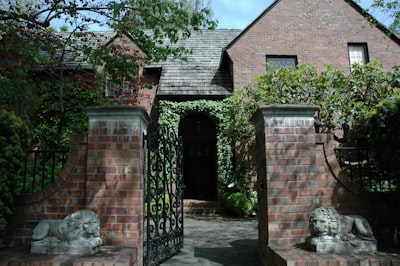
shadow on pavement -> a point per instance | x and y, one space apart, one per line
242 252
218 240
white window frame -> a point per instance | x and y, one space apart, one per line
358 53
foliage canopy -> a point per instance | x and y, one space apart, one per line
27 43
391 9
344 100
381 131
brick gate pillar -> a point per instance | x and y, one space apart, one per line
115 173
286 156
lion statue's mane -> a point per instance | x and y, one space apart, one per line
326 222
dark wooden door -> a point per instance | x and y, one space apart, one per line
200 157
200 170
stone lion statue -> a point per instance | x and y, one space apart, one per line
78 233
333 232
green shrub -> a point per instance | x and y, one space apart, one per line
383 129
238 195
343 99
239 204
13 146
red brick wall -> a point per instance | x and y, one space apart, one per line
318 32
298 172
63 197
104 173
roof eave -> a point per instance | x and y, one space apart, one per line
374 21
252 24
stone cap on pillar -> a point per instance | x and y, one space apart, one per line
284 110
119 112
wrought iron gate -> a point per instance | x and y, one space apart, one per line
163 195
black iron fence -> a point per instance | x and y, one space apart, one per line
41 168
359 165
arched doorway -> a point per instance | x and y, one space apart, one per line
200 156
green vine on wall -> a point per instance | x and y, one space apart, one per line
172 112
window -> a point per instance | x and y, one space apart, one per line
358 53
275 62
113 90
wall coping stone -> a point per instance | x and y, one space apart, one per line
283 110
118 112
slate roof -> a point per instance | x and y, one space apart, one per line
201 76
73 56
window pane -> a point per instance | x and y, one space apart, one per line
277 62
109 88
357 54
124 90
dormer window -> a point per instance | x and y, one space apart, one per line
358 53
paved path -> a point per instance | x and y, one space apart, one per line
216 240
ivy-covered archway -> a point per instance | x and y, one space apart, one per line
172 112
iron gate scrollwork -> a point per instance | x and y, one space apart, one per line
163 195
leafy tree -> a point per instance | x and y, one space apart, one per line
49 116
380 131
392 8
26 44
389 8
344 100
64 28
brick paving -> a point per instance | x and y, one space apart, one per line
214 240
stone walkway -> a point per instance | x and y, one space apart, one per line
217 240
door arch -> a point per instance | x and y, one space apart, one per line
199 135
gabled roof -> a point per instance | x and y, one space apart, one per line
353 4
200 75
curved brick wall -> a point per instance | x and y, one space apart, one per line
298 172
64 196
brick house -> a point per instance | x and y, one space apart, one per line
318 33
289 32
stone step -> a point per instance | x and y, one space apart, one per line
203 207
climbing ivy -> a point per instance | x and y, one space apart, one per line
234 187
172 112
